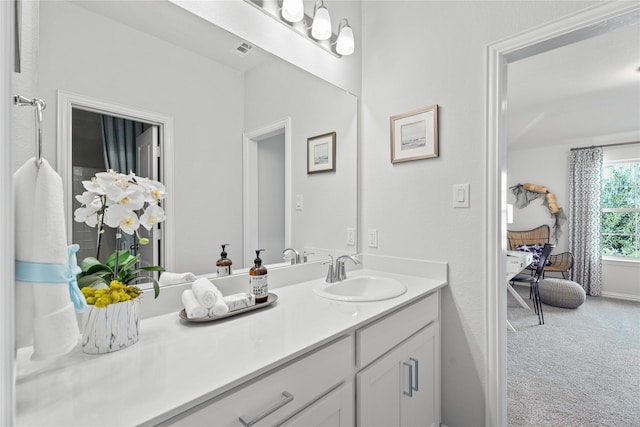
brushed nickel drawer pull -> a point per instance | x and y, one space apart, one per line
410 393
415 372
288 397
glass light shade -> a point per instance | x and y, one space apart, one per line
292 10
345 44
321 27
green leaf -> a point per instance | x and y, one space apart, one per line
89 262
130 262
122 257
99 268
152 268
91 281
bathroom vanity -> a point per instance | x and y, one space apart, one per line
306 360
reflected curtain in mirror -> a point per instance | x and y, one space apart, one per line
119 142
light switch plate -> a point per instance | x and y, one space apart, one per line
461 195
373 238
351 236
299 202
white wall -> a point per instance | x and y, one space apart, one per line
620 279
87 54
316 108
417 54
24 83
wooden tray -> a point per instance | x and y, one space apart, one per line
272 298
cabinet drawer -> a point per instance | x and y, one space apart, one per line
280 393
374 340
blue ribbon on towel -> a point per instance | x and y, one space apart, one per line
42 272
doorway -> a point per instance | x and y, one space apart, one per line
267 191
80 119
586 24
100 142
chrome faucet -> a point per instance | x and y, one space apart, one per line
295 255
338 272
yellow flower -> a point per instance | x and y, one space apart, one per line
117 292
103 301
87 292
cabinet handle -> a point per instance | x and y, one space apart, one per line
415 372
288 397
410 393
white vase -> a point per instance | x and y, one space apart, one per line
110 328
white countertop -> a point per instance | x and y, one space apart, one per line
177 364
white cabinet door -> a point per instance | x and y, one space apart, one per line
423 407
403 387
333 410
379 393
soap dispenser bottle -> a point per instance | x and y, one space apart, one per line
223 265
258 285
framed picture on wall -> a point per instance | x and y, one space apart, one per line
321 153
414 135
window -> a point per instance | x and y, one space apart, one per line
621 209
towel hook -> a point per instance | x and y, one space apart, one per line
40 106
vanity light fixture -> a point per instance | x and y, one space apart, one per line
345 44
292 10
321 27
316 28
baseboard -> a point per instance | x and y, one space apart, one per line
616 295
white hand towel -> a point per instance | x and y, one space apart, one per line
168 278
192 307
206 292
220 308
44 313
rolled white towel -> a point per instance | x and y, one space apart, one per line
220 308
206 292
168 278
192 307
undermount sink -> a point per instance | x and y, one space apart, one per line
361 288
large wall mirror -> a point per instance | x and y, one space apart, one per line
218 90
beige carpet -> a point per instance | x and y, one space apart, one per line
581 368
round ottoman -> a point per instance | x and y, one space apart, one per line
561 293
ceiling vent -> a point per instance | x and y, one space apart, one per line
243 49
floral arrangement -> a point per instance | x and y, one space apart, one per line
123 202
117 292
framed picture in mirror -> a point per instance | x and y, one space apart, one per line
321 153
414 135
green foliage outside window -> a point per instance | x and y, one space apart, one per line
621 210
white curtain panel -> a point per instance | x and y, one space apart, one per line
585 216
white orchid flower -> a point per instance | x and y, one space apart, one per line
112 177
94 186
90 199
87 215
131 198
119 216
152 215
154 190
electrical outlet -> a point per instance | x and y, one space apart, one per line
351 236
373 238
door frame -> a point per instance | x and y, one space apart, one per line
250 140
579 26
67 101
7 256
